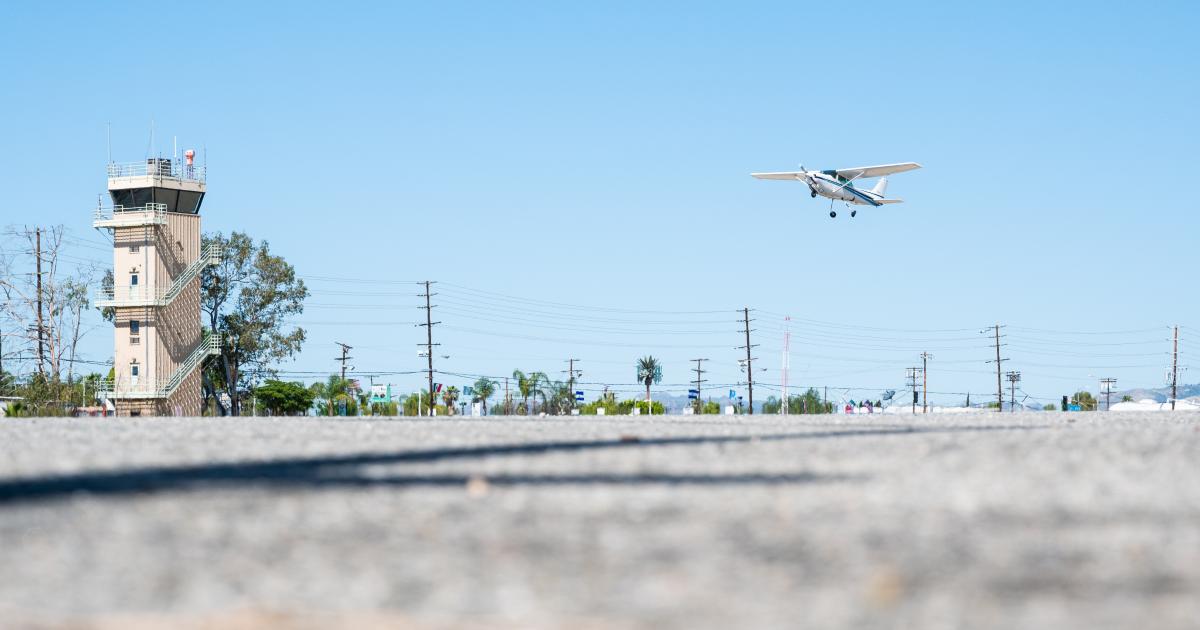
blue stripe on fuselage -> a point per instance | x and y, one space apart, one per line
860 194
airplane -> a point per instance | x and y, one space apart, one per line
838 184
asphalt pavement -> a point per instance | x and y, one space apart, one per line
1038 520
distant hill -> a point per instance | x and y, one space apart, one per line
1160 394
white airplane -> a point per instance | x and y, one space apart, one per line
838 184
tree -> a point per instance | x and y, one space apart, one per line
62 299
1127 398
450 398
484 388
284 399
561 397
1085 400
649 371
249 297
1049 407
333 389
530 385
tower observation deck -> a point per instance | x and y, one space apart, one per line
157 259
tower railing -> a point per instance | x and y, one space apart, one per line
157 167
210 345
130 216
113 297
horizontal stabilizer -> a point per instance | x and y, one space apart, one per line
883 201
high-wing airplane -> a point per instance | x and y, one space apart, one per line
838 184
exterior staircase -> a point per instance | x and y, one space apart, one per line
109 298
210 345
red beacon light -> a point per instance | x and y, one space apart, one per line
190 154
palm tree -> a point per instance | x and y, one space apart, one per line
449 398
530 385
331 389
484 388
649 371
561 396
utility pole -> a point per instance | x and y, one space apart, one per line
1013 379
749 360
345 357
925 357
429 324
571 379
787 360
1174 368
1106 386
37 254
699 371
912 382
999 361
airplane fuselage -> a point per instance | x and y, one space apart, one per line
831 187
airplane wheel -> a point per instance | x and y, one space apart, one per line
854 213
832 214
813 193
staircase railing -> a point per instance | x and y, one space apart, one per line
209 345
108 297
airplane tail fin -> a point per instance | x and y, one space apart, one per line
880 186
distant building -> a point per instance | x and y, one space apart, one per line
158 342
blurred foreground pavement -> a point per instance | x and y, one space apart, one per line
1044 520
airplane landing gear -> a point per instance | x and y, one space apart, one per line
813 193
832 214
854 213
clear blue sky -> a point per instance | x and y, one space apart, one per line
598 155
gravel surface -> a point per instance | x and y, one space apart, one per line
1042 520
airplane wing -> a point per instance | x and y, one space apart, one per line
866 172
798 175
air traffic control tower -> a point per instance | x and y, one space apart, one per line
158 342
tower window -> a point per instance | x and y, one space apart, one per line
133 370
133 279
135 326
133 249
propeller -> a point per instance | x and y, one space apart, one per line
807 180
